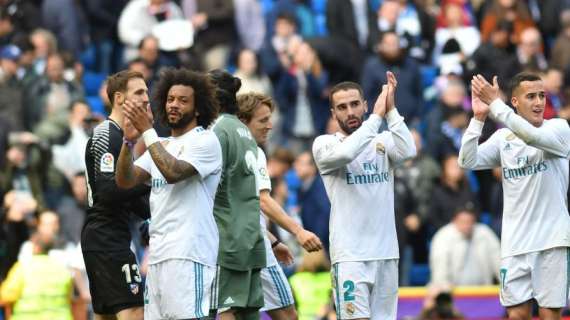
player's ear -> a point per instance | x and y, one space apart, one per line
515 102
365 103
119 97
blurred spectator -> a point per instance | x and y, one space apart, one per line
50 97
300 93
353 21
465 252
513 11
450 193
412 23
45 44
250 23
453 97
313 201
405 209
11 88
103 17
497 48
311 285
438 305
72 208
67 21
391 57
553 80
8 31
139 17
25 15
149 53
467 36
69 157
420 174
299 10
29 282
61 249
26 166
279 162
215 25
274 54
560 54
17 209
252 77
26 72
529 51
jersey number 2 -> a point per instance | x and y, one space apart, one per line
127 271
349 293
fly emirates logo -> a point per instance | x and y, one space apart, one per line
370 175
525 169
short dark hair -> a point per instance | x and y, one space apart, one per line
205 103
522 77
343 86
249 102
287 16
227 87
118 83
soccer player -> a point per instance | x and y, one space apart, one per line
237 289
255 111
112 269
533 155
357 167
183 171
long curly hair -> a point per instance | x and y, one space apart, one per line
227 87
205 102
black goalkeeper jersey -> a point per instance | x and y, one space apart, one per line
109 208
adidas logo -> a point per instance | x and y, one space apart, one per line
229 300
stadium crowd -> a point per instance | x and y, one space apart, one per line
56 54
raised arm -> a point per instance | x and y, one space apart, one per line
403 147
330 155
471 155
554 138
172 169
128 175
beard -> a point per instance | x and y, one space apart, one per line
346 128
182 122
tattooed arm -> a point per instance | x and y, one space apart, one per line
172 169
128 175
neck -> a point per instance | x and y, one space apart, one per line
177 132
117 115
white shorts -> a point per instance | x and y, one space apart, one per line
276 289
178 289
366 289
542 275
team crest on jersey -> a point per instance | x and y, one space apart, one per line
107 163
380 149
134 288
350 308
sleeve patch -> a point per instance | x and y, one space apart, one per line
107 163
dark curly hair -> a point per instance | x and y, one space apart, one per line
227 87
205 102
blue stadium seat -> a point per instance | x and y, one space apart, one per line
429 73
419 275
92 82
88 58
319 6
96 105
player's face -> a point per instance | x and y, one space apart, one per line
260 124
529 99
348 109
137 91
180 109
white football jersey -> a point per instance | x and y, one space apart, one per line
358 173
264 183
182 220
534 164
